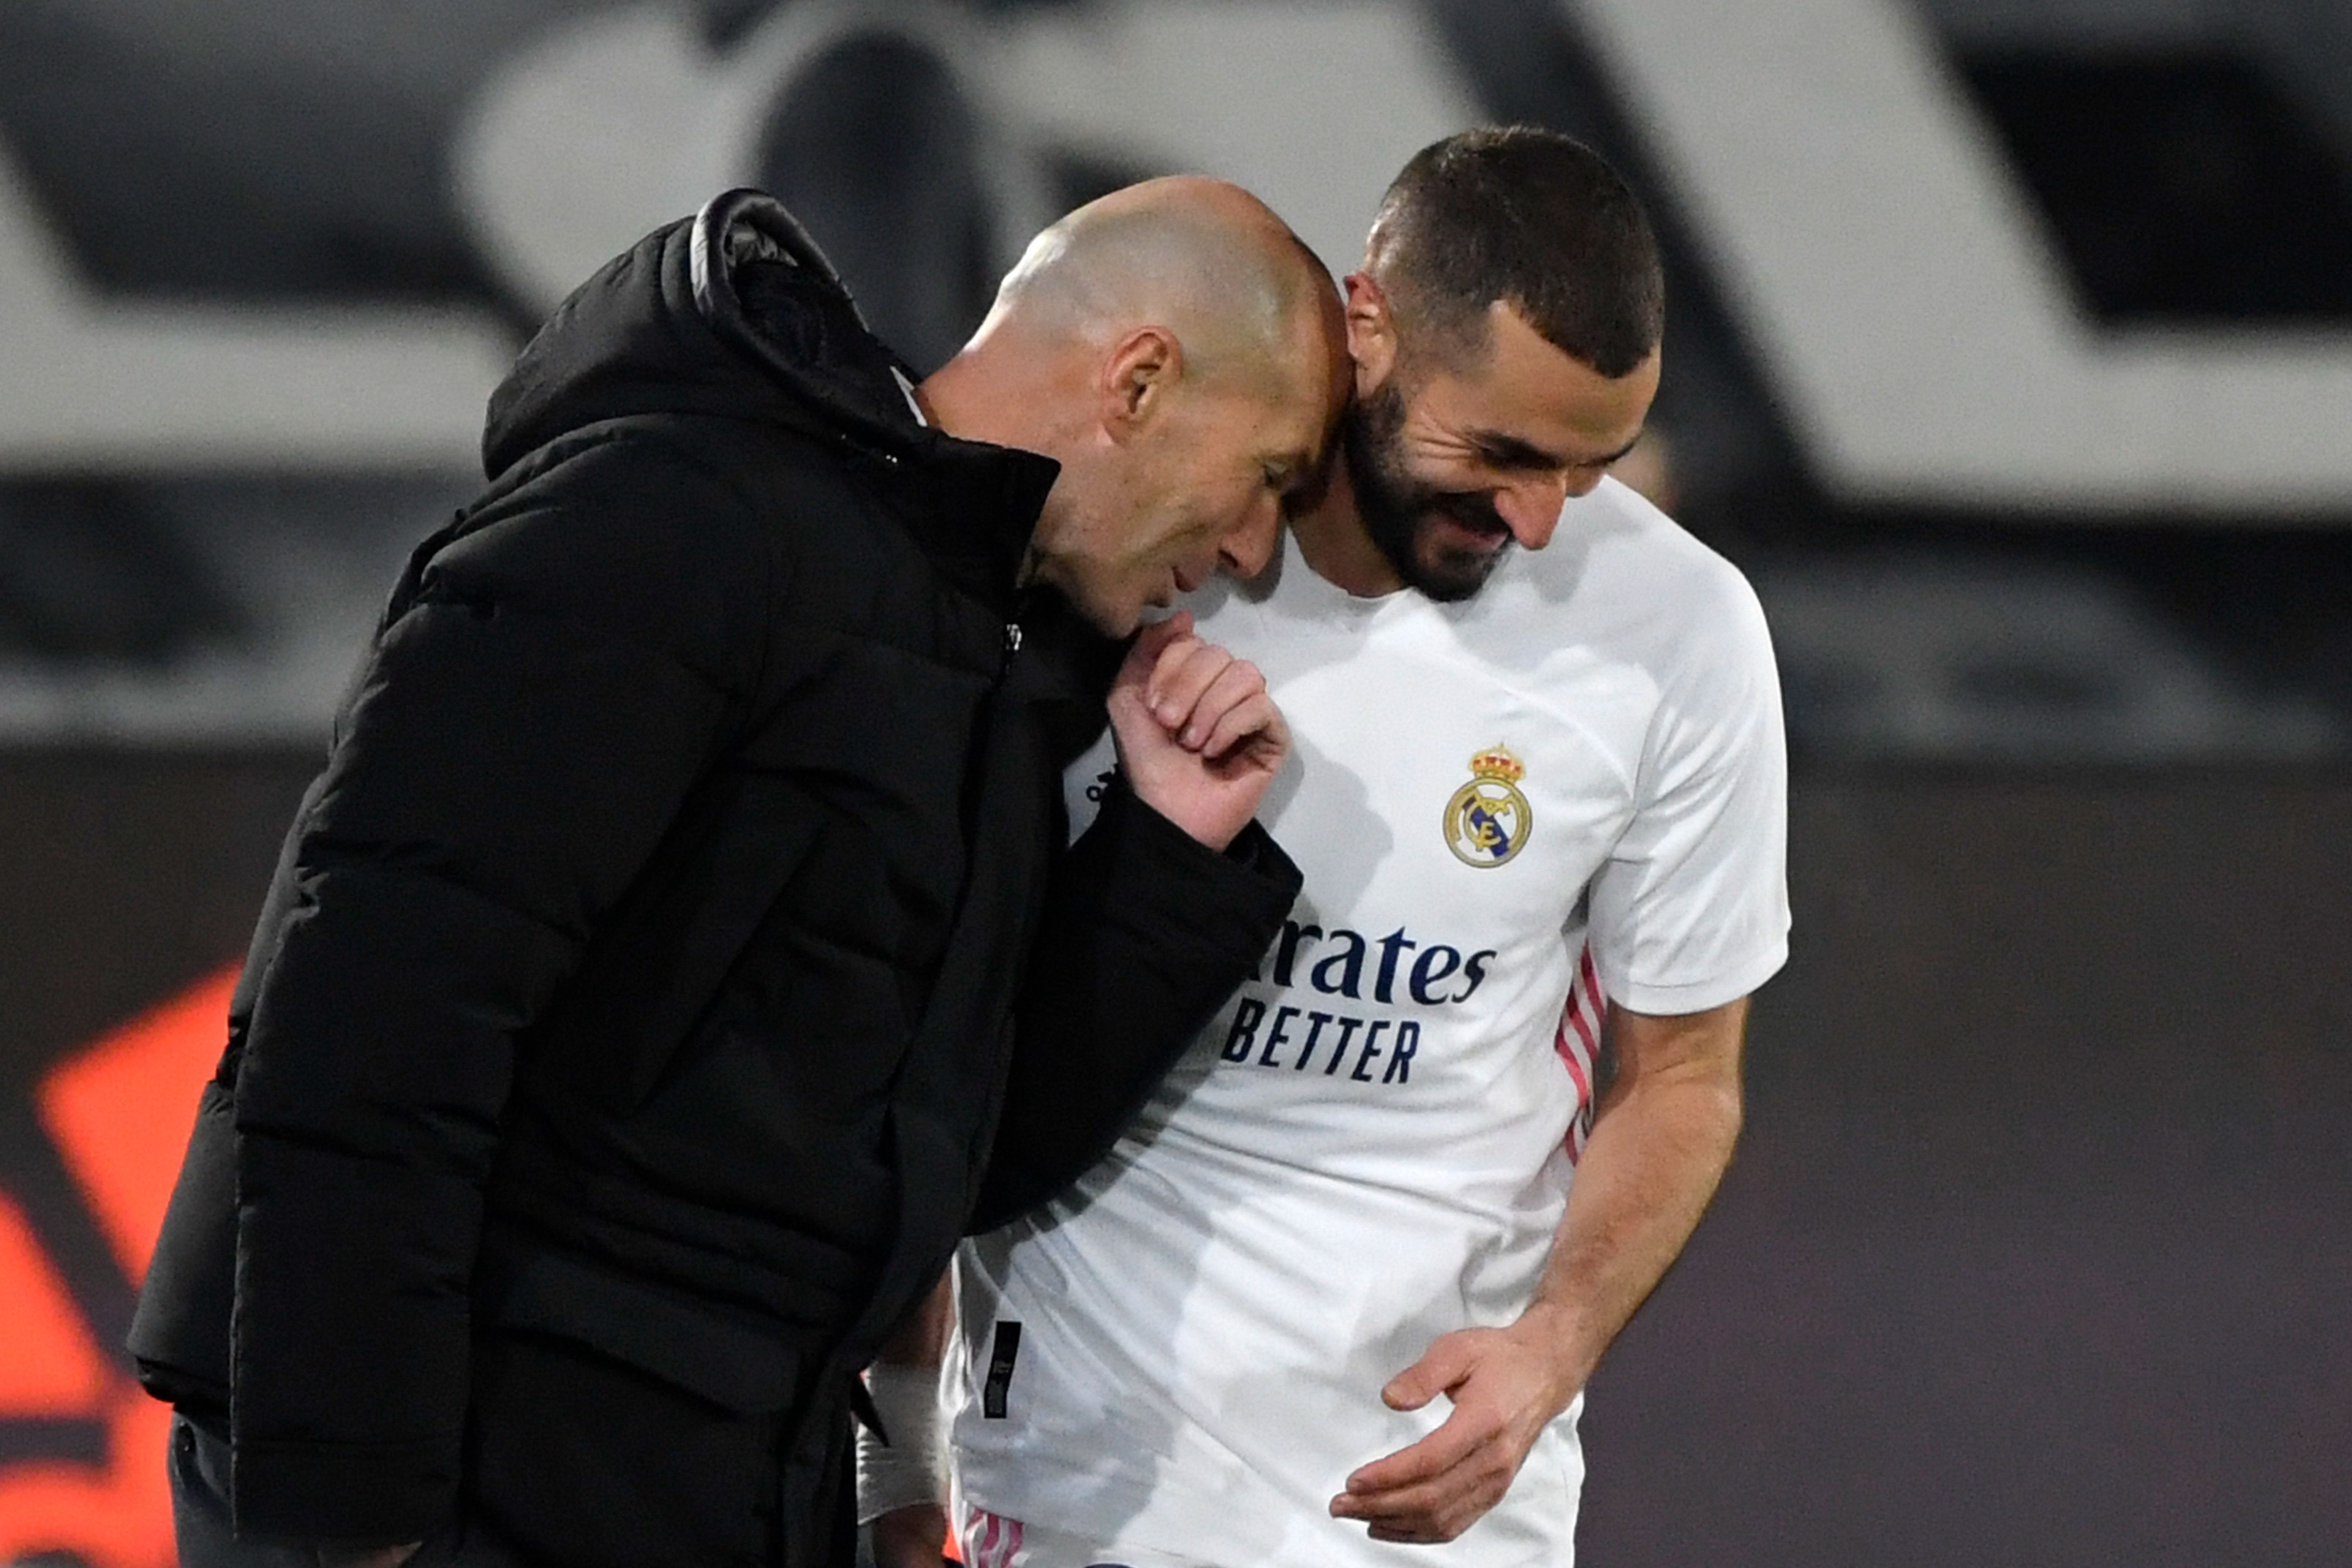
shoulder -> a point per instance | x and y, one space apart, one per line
654 533
1646 554
1622 579
706 482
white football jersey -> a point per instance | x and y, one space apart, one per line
1567 787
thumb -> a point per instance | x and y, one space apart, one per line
1150 644
1445 1366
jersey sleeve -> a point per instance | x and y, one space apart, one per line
1691 908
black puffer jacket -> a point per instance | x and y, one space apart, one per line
620 1048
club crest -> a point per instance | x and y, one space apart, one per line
1487 821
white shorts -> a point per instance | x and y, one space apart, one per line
991 1541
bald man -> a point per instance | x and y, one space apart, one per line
681 919
1243 321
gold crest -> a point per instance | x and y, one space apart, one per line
1487 821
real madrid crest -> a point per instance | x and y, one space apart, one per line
1487 821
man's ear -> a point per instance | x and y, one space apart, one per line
1371 332
1137 378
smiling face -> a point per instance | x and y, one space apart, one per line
1453 459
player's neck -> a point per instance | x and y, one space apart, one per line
1338 550
998 389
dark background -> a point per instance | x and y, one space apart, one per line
2038 1248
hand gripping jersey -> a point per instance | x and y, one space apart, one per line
1568 788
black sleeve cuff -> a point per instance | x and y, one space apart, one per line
1254 850
1231 901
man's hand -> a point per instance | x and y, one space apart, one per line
912 1537
1505 1384
1660 1142
1197 734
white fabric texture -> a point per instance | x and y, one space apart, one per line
1570 784
912 1467
991 1541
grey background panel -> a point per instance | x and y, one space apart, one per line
2038 1247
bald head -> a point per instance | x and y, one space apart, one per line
1183 357
1201 258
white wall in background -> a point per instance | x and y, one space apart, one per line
1891 277
1882 261
621 122
108 387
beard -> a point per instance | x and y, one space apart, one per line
1404 517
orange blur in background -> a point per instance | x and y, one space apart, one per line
119 1111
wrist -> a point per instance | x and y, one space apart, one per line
910 1468
910 1537
1556 1332
1215 835
1207 825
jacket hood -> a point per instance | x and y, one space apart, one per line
734 312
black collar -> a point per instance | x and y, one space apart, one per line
972 506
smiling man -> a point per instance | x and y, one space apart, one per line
1342 1286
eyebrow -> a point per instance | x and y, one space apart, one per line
1302 480
1510 452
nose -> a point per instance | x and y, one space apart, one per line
1532 507
1245 552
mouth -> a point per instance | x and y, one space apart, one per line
1481 535
1185 581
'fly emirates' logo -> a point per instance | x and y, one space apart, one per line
1341 1035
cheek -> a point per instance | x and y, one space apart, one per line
1155 537
1452 475
1208 514
1407 472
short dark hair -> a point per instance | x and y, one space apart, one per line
1529 217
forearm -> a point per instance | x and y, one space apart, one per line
1659 1147
922 1339
1146 932
902 1483
366 1109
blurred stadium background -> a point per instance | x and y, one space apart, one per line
2010 351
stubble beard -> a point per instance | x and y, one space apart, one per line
1402 515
